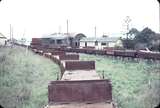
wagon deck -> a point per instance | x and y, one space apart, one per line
83 105
80 75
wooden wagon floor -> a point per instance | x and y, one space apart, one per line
83 105
80 75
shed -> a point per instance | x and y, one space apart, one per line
3 40
62 39
100 42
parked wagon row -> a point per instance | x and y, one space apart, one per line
117 53
78 84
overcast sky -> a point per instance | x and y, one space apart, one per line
35 18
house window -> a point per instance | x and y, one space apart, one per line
76 44
103 44
59 41
52 42
96 43
85 44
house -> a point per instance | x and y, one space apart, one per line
3 40
55 40
101 42
62 40
76 40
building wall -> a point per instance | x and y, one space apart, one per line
112 44
82 44
89 44
100 45
2 41
50 42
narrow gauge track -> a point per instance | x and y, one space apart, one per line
78 85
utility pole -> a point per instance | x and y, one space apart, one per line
12 37
127 22
95 31
159 14
59 29
11 34
68 41
10 30
67 26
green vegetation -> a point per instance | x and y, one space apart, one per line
135 84
142 39
24 78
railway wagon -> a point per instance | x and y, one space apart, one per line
148 55
100 52
88 50
80 65
80 50
55 56
36 41
119 53
80 94
65 58
79 70
125 53
130 53
110 52
69 57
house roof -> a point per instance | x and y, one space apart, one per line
2 36
64 35
55 36
100 39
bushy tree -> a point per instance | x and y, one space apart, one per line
141 39
145 36
128 43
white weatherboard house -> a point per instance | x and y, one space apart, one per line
3 40
100 42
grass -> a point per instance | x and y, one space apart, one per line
135 84
24 78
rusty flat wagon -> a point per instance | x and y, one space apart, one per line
80 70
79 85
80 94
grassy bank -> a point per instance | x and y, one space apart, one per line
135 84
24 78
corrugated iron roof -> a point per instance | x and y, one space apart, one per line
62 35
56 36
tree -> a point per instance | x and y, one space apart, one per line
142 39
145 36
132 33
128 43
